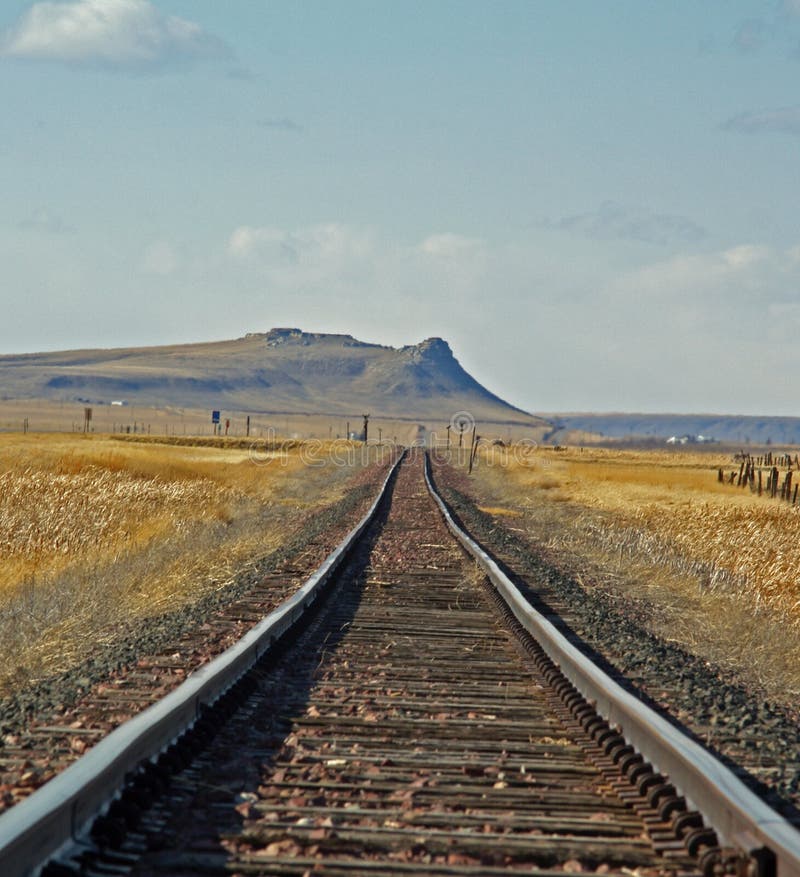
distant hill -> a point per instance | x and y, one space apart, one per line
732 429
283 370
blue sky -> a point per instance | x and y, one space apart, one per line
595 203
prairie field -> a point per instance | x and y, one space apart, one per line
45 416
711 566
97 533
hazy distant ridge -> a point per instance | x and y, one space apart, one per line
741 429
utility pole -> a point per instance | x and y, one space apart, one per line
366 425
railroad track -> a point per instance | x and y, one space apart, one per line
406 722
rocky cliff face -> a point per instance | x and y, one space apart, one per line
427 370
279 337
433 351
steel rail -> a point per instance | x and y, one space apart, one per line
741 819
58 815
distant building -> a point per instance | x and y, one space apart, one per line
690 440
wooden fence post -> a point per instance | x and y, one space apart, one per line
473 448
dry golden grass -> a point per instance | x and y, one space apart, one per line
61 498
716 565
500 511
678 499
95 532
49 518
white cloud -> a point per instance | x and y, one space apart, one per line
357 265
332 253
330 258
450 246
246 241
276 247
115 33
744 256
745 278
364 272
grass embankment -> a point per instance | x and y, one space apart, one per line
707 565
96 533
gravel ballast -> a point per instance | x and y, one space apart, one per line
760 740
